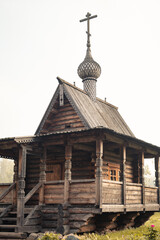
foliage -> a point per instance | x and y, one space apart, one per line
152 233
6 170
51 236
145 232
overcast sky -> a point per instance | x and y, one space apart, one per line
43 39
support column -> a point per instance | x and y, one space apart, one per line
142 180
124 155
21 187
68 166
157 173
42 176
15 180
99 164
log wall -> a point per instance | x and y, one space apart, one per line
111 192
82 192
9 197
62 117
133 193
151 195
54 192
82 167
32 177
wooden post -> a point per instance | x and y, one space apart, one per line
157 173
99 164
68 166
142 181
15 179
21 187
124 157
42 176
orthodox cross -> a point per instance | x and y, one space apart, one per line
88 17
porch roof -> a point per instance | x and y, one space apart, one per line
7 143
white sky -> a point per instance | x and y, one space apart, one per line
43 39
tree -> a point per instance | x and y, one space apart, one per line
6 170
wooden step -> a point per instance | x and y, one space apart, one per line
12 235
9 219
8 226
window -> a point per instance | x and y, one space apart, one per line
112 172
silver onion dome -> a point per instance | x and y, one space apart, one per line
89 68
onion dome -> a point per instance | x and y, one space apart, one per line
89 68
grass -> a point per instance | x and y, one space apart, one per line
129 234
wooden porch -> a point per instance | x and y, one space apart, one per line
66 184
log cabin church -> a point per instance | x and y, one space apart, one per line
82 170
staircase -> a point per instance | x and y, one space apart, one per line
8 222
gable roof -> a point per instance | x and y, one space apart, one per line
92 113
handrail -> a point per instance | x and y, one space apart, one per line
82 180
30 194
110 181
7 191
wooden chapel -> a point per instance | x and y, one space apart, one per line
82 171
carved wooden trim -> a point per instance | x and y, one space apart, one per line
68 166
99 164
21 185
42 176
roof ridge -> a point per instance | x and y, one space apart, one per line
60 80
107 103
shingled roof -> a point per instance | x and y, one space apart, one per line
92 113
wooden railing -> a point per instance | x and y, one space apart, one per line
82 191
151 195
5 190
32 192
54 192
112 193
133 193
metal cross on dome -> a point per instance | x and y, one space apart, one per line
88 17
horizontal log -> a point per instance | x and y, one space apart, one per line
54 196
87 228
52 211
81 201
76 210
12 235
76 224
81 195
49 224
136 201
53 201
112 191
82 185
80 217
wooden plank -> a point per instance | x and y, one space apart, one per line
30 194
112 208
7 191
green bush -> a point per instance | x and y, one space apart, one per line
51 236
